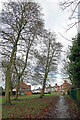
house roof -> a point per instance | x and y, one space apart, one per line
65 84
22 84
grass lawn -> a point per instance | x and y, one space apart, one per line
28 106
2 100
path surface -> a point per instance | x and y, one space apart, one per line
61 109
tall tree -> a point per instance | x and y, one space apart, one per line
12 33
21 21
34 30
48 56
74 65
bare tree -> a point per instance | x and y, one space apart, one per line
73 7
13 76
48 56
21 22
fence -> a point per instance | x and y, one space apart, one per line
75 94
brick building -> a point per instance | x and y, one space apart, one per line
52 89
25 89
64 87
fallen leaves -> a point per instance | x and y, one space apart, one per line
74 107
31 108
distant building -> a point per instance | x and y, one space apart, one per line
52 89
47 89
64 87
25 89
37 90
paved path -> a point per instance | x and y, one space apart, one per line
61 109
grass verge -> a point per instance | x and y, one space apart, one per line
27 106
74 107
2 100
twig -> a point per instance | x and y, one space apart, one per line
65 37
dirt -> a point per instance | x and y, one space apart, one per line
74 107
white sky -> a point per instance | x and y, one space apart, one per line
55 20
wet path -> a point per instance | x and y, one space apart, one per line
61 109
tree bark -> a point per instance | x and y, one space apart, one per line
8 73
11 92
43 88
20 74
45 77
7 87
17 88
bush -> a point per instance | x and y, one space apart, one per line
49 92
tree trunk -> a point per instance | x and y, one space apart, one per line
78 39
44 83
7 87
11 92
8 76
17 87
8 73
20 75
7 95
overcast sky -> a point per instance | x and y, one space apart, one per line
56 20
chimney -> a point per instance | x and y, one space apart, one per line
65 81
56 84
22 80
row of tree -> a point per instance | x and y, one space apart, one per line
22 31
72 64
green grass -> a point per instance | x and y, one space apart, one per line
3 100
0 99
27 106
51 94
25 97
